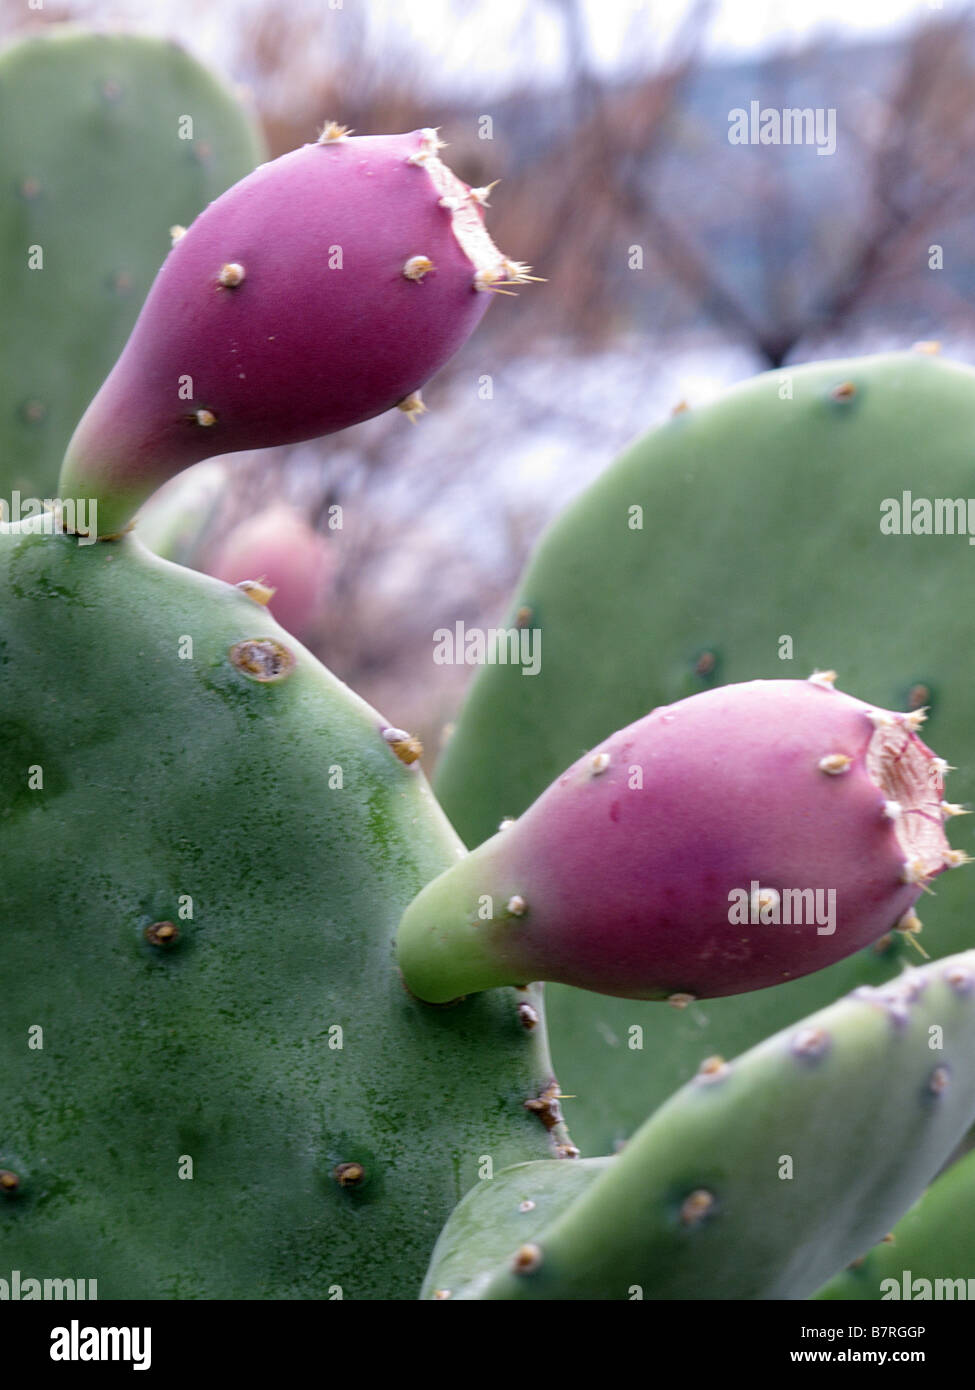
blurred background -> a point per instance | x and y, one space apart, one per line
675 262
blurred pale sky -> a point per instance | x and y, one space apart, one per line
500 36
497 41
737 26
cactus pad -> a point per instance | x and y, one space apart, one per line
214 1083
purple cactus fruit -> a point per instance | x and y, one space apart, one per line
323 289
280 549
737 839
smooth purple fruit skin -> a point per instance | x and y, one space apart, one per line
627 891
298 349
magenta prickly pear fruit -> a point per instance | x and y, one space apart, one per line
321 290
283 559
734 840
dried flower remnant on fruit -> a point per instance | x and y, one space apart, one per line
430 143
900 765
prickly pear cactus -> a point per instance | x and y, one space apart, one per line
726 843
108 140
929 1250
755 1179
715 551
213 1082
323 289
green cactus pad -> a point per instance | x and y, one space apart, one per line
761 520
757 1179
930 1248
168 750
94 173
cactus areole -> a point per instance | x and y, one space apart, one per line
737 839
323 289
